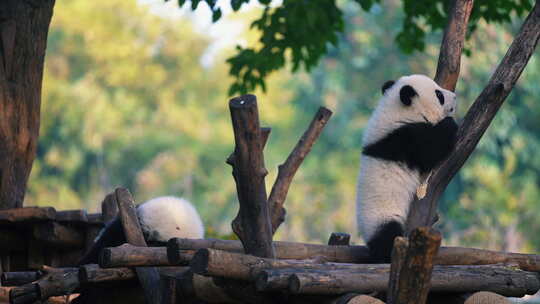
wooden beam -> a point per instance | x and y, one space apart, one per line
19 277
148 276
128 255
27 214
284 250
55 234
92 273
504 280
72 216
109 208
252 224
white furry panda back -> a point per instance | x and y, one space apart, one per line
384 191
166 217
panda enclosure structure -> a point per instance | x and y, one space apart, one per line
40 246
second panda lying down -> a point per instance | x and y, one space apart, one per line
410 132
161 219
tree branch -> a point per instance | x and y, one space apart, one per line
287 170
478 118
452 44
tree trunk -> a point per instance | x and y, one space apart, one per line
24 25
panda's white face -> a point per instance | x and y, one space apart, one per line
410 99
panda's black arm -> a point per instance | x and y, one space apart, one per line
420 145
432 144
111 236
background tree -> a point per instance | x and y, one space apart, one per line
23 32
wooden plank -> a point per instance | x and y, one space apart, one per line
72 216
55 234
92 273
109 208
128 255
27 214
148 276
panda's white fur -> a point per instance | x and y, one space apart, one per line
385 187
161 219
166 217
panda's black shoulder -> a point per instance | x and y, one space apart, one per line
421 145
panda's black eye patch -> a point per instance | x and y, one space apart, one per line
440 96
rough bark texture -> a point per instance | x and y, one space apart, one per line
56 282
478 118
24 25
284 250
414 277
148 276
128 255
77 217
252 224
109 208
28 214
452 44
19 277
58 235
92 273
287 170
445 279
399 253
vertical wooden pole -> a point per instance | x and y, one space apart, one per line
148 276
252 224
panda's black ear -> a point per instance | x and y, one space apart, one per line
406 94
387 85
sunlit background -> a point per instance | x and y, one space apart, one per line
135 95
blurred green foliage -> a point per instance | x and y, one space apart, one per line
127 102
301 31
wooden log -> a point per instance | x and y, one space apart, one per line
399 254
252 224
19 277
109 208
287 170
92 273
339 239
503 280
4 294
128 255
284 250
28 293
478 118
415 273
358 254
148 276
11 240
56 282
55 234
241 266
265 133
27 214
72 216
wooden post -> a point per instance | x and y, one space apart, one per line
252 224
148 276
414 277
399 254
109 208
287 170
128 255
339 239
58 235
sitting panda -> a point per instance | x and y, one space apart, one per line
161 219
411 131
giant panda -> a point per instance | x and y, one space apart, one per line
161 219
411 130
